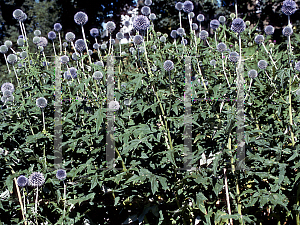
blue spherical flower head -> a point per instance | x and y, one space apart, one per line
18 14
12 58
188 6
141 23
146 10
51 35
61 174
262 64
252 74
57 27
98 75
203 35
180 32
64 59
234 57
110 26
214 24
7 87
168 65
41 102
179 6
3 49
297 66
70 36
269 30
238 25
289 7
43 42
152 16
94 32
120 35
36 179
221 47
200 18
173 34
22 181
148 2
138 39
80 45
287 31
80 18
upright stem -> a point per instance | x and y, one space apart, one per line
180 19
227 196
65 198
87 50
60 43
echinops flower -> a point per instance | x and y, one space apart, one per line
194 26
65 44
114 105
214 24
252 74
221 47
203 35
70 36
262 64
75 56
179 6
180 32
61 174
97 75
234 57
80 18
222 19
64 59
21 42
168 65
103 46
57 27
162 39
191 14
43 42
138 39
173 34
110 26
269 30
23 54
99 63
289 7
141 23
80 45
287 31
51 35
22 181
200 17
188 6
297 66
94 32
36 40
7 87
36 179
41 102
148 2
96 46
18 14
12 58
213 62
259 39
145 10
152 16
8 43
3 49
120 35
238 25
37 33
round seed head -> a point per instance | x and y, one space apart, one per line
94 32
23 54
289 7
20 42
269 30
41 102
61 174
96 46
168 65
120 35
99 63
221 47
152 16
262 64
114 105
36 179
127 23
191 14
103 46
148 2
3 49
179 6
12 58
36 40
18 14
22 181
80 18
141 23
8 43
24 17
90 52
65 44
70 36
213 62
7 93
173 34
51 35
194 26
64 59
97 75
200 17
234 57
162 39
138 39
80 45
214 24
146 10
180 32
43 42
222 19
7 99
57 27
37 33
252 74
287 31
297 66
259 39
73 71
188 6
110 26
184 42
238 25
203 35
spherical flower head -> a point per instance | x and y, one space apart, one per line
262 64
173 34
146 10
154 68
8 43
99 63
7 87
297 66
90 52
64 59
162 39
214 24
252 74
51 35
23 18
148 2
289 7
191 14
96 46
238 25
138 39
221 47
7 93
3 49
234 57
180 32
18 14
22 181
103 46
41 48
23 54
36 40
152 16
21 42
80 45
141 49
203 35
188 6
120 35
259 39
110 26
65 44
67 75
200 18
97 75
94 32
70 36
114 105
222 19
12 58
184 42
141 23
179 6
61 174
213 62
36 179
168 65
127 23
287 31
194 26
80 18
73 71
43 42
269 30
57 27
37 33
41 102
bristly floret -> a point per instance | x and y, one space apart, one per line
22 181
57 27
287 31
269 30
214 24
36 179
289 7
238 25
61 174
262 64
168 65
141 23
80 18
234 57
188 6
94 32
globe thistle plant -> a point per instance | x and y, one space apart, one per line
98 75
52 36
234 57
252 74
188 6
61 174
289 7
152 16
262 64
203 35
213 62
148 2
22 181
37 33
70 36
287 31
214 24
221 47
138 39
168 65
222 19
141 23
146 10
80 45
114 105
297 66
238 25
259 39
269 30
180 32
